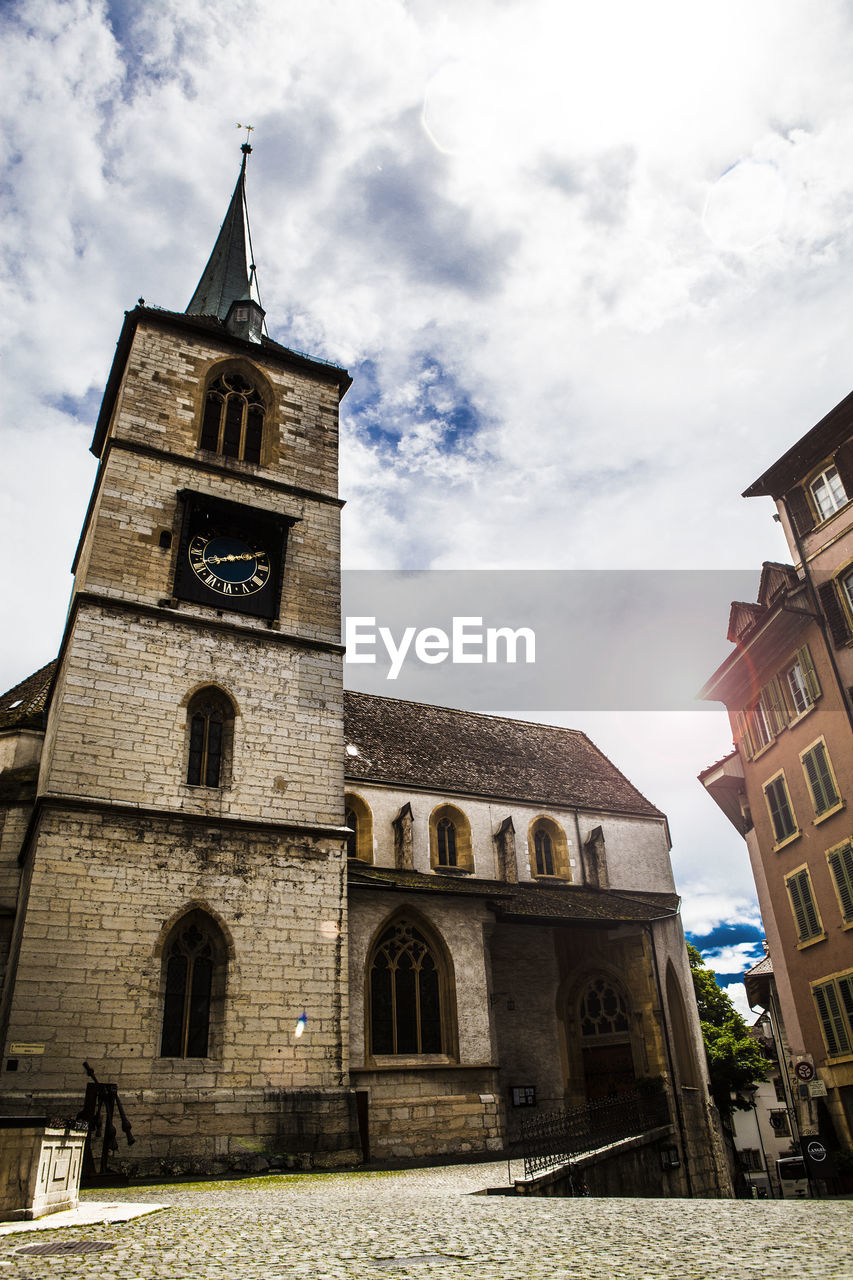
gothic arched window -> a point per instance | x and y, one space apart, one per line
211 719
407 993
548 849
194 977
603 1010
359 819
233 419
450 839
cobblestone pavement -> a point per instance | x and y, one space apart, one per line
427 1223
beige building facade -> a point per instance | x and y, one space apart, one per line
295 925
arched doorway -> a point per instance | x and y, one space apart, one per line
604 1021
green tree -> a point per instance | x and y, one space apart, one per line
735 1060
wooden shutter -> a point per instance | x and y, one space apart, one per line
832 1019
819 775
805 910
804 658
744 736
841 865
834 613
774 705
800 511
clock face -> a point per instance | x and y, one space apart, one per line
229 564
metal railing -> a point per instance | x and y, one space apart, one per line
554 1138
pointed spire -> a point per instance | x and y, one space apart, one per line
228 288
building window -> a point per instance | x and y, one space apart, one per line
603 1011
841 865
828 493
194 977
548 849
779 1123
750 1160
762 734
834 1000
359 819
802 682
408 993
233 419
210 717
450 844
847 585
779 806
779 1088
803 905
821 780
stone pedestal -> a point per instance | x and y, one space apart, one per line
40 1167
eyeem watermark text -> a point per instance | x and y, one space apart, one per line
468 641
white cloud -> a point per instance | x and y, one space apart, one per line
631 372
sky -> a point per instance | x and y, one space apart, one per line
588 265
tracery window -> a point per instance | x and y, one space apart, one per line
211 718
405 993
548 849
233 419
450 843
603 1011
194 960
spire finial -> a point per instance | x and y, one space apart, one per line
246 147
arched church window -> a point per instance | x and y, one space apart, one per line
548 849
603 1010
450 839
351 820
233 419
211 720
359 819
406 996
194 975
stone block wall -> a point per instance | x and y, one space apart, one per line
415 1113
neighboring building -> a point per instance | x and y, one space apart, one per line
768 1130
291 922
788 784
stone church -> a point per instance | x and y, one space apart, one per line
295 924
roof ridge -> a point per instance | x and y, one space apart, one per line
460 711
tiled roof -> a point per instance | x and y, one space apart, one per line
523 901
23 707
413 744
764 965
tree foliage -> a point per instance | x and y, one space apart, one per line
735 1060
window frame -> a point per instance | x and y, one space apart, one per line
781 840
464 850
212 705
819 745
824 475
355 803
256 398
804 907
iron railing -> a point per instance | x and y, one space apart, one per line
554 1138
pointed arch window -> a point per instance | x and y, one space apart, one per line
445 834
603 1010
548 849
359 819
210 721
193 981
543 852
233 418
451 847
408 992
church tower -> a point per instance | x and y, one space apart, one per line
182 903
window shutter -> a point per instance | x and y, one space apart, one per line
841 865
744 737
804 658
833 613
844 466
845 986
805 911
834 1030
799 509
816 765
774 702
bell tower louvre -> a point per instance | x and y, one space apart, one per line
182 875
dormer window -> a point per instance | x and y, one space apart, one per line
828 493
233 422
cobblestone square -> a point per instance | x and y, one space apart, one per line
431 1223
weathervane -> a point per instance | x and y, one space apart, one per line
250 128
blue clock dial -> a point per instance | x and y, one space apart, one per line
229 565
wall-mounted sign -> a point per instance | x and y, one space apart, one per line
523 1095
25 1050
817 1089
804 1070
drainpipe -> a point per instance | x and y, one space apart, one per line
670 1057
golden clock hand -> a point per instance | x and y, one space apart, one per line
245 555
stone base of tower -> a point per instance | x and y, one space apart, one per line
219 1130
